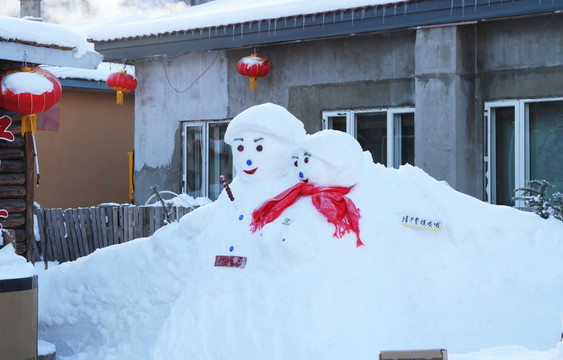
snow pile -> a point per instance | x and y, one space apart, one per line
13 266
439 269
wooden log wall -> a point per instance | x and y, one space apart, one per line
17 180
17 168
73 233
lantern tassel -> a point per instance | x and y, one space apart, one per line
29 123
253 83
119 97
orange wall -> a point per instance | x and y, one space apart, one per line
85 163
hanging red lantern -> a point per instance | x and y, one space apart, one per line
29 91
253 67
122 83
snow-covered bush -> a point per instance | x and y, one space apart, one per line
535 196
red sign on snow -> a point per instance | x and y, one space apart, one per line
230 261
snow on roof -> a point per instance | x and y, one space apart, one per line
41 34
220 13
42 43
101 73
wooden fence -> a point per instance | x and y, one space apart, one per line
72 233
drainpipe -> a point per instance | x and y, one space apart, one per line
30 8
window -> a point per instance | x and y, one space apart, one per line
206 157
524 142
372 128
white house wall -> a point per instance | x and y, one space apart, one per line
169 92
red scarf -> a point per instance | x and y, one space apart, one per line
330 201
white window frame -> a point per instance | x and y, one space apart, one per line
521 143
204 125
393 120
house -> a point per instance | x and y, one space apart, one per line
83 157
471 91
25 42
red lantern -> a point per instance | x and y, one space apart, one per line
122 83
253 67
29 91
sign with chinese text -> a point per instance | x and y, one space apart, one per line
421 222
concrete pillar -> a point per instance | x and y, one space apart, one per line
446 131
30 8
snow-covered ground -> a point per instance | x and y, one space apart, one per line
484 282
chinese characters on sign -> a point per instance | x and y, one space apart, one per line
421 222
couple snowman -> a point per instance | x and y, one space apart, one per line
275 159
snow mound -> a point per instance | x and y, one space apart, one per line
487 277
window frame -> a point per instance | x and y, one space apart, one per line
521 143
204 125
393 120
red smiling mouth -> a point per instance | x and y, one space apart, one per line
250 172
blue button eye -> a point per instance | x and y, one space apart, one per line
301 175
248 162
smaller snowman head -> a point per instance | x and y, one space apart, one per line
329 158
263 139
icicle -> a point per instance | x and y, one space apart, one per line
215 31
475 8
275 26
285 22
375 12
405 9
395 10
242 31
384 11
303 22
234 28
269 25
259 27
463 8
313 17
452 8
352 17
294 22
334 18
192 33
342 16
323 20
363 13
224 30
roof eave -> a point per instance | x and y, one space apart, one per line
48 56
306 27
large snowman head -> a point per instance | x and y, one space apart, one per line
329 158
263 139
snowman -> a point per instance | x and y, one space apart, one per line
328 164
263 139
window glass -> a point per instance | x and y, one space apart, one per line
504 160
404 139
546 142
371 133
194 161
220 159
337 123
